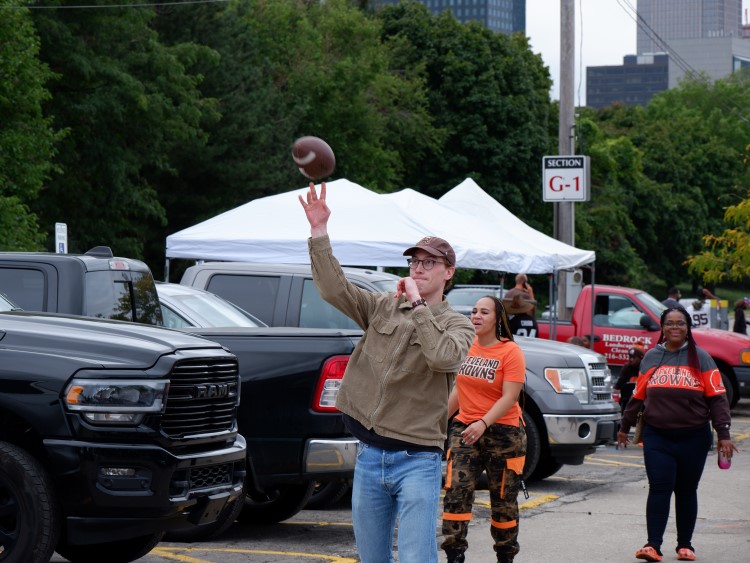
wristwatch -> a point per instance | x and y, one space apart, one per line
418 302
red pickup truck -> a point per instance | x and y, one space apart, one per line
622 316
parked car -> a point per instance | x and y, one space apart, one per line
295 437
463 297
109 437
183 306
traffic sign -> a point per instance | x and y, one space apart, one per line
566 178
61 238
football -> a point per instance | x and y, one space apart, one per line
313 157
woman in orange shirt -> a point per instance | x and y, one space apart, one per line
486 434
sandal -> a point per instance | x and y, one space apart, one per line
648 553
685 554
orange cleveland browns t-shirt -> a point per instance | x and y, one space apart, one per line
480 380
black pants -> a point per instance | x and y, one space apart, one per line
674 464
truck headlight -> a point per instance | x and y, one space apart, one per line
115 401
569 380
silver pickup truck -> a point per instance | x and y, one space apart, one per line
567 400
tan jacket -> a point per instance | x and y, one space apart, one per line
402 370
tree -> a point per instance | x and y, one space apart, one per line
607 223
488 93
27 137
128 104
287 69
728 254
693 141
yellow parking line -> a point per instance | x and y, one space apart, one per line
536 502
612 462
174 554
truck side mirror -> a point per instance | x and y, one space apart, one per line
648 323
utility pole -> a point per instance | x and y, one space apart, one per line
564 222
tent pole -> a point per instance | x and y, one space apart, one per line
553 306
166 270
593 305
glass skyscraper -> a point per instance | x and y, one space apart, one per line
686 19
502 16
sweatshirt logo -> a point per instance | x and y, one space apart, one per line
480 368
670 376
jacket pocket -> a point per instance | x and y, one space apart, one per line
378 338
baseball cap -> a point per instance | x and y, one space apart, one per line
436 246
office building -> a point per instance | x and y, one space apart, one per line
683 37
501 16
633 83
672 20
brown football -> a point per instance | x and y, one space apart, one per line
313 157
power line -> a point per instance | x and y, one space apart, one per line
679 61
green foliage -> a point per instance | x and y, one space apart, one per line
489 95
128 104
727 257
27 138
684 166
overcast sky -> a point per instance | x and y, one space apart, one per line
605 33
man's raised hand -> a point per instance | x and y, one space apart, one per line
316 209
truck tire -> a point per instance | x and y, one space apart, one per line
533 446
546 467
280 504
227 517
122 551
327 493
732 396
29 520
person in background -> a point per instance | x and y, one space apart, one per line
394 394
740 323
522 320
681 390
486 434
522 286
698 311
577 340
629 375
673 298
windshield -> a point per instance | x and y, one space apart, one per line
206 310
122 295
468 298
652 303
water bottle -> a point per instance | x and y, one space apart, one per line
724 461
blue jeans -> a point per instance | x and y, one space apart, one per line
399 485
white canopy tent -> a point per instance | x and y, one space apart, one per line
370 229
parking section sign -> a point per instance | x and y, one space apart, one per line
566 178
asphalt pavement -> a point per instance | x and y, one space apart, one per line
608 523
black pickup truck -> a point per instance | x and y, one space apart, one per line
295 437
111 433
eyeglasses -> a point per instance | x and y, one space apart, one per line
670 324
427 263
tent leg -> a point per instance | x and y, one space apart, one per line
166 270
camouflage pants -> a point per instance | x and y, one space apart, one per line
501 452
